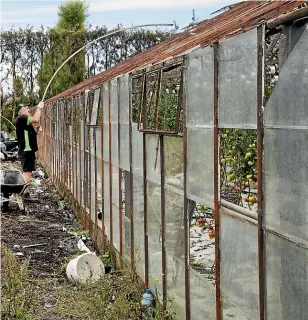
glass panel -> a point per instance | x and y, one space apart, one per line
106 142
127 238
70 159
286 188
113 101
290 95
153 158
115 185
200 87
106 122
82 142
116 227
238 81
78 175
106 200
175 245
286 279
154 236
114 144
95 106
239 268
93 174
124 100
124 147
173 154
124 123
98 141
202 297
137 151
139 224
99 184
200 162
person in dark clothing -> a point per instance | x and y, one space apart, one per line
26 137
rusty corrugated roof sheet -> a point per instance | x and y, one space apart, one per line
242 17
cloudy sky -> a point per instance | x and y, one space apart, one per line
20 13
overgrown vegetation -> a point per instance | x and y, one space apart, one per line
17 288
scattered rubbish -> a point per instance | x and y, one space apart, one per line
146 305
61 206
16 246
147 298
36 182
82 247
19 254
86 267
35 245
48 305
99 215
46 207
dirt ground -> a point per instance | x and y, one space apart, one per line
42 235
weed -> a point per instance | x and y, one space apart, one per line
17 290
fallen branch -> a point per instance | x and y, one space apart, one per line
34 245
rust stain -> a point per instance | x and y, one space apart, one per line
242 17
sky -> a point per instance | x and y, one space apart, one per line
19 14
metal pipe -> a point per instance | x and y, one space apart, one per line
238 209
100 38
287 18
186 227
260 135
216 183
8 121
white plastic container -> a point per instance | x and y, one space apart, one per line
86 267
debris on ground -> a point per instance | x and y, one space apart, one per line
38 243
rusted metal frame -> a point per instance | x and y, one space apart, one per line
180 102
216 185
145 209
131 198
86 162
141 107
77 105
144 104
102 165
163 221
58 145
164 132
95 181
156 68
287 18
89 148
156 110
110 164
260 135
120 171
186 227
81 106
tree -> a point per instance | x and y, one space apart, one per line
67 37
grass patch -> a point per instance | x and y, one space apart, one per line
17 290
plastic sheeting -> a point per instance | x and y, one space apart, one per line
237 58
239 274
